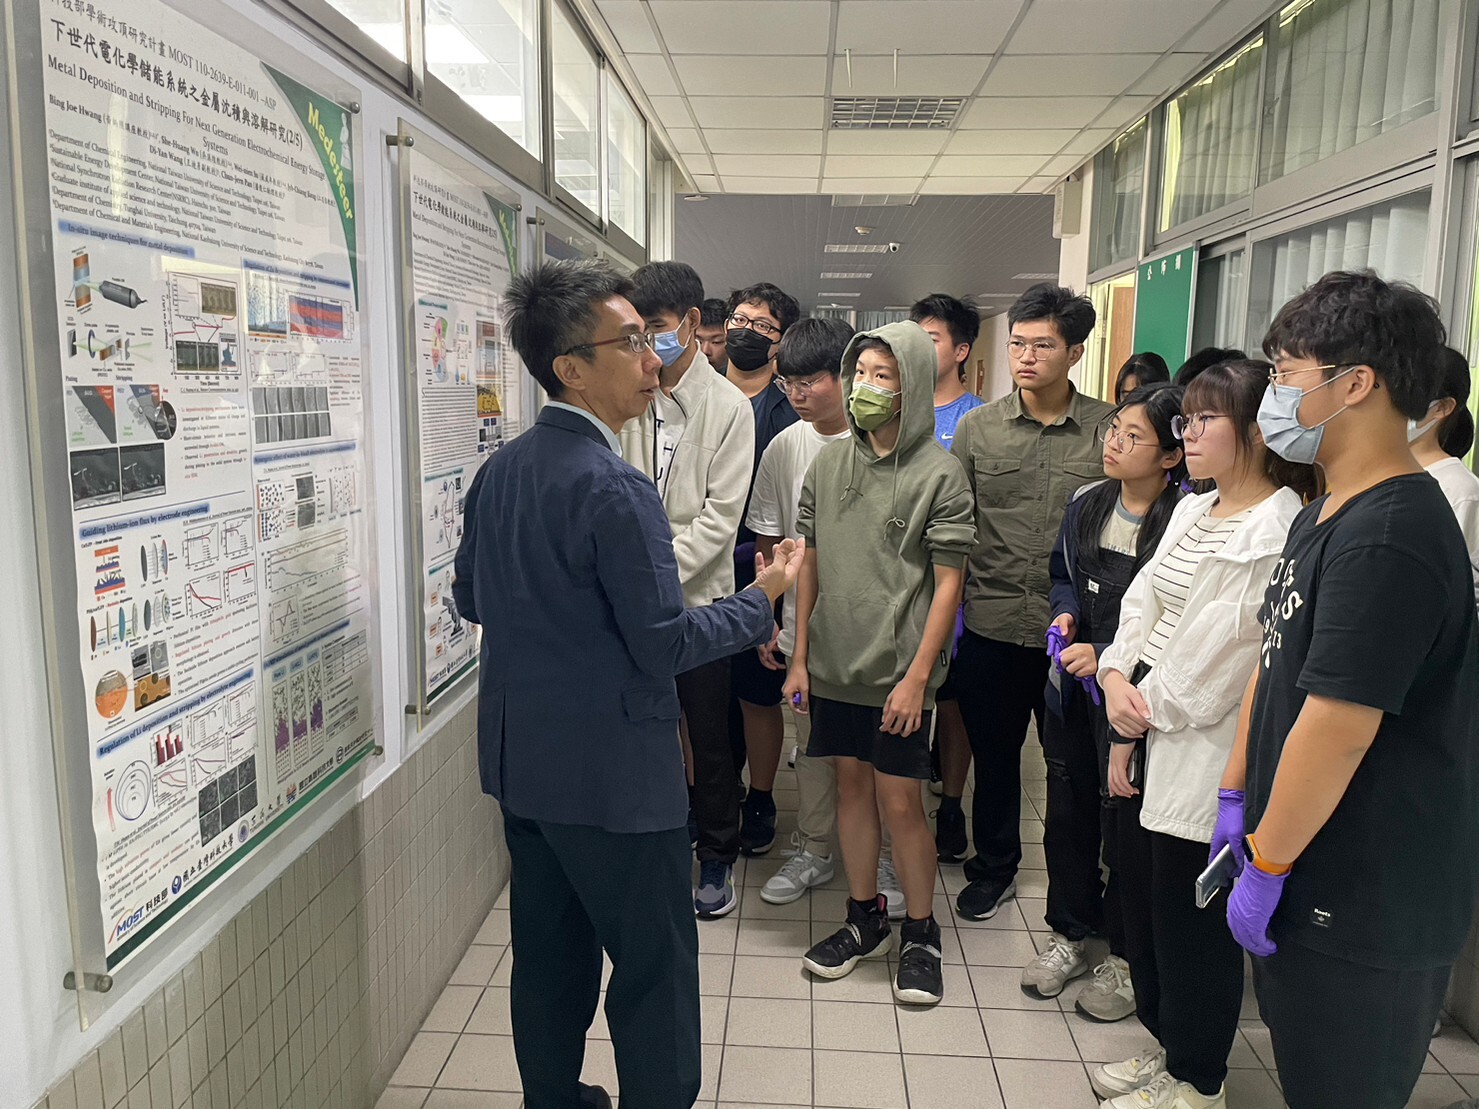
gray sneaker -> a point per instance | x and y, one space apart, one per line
1117 1079
888 885
1061 961
1111 995
715 896
801 871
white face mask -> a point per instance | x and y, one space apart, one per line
1416 431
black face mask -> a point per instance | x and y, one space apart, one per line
747 349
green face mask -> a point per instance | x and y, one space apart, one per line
870 406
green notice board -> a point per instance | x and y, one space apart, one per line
1163 302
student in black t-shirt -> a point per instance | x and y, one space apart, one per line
1358 746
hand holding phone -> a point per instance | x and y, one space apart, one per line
1219 875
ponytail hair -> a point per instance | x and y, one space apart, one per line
1456 433
1162 403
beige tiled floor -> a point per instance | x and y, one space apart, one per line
773 1036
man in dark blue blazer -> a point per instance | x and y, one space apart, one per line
567 563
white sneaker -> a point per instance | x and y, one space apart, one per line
1054 968
1166 1093
888 885
801 871
1114 1079
1111 995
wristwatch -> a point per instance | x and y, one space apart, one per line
1250 849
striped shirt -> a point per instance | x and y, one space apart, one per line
1172 578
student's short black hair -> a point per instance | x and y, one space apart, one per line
1356 319
1456 435
715 313
782 304
1071 314
963 321
873 342
1147 368
661 288
552 308
1200 360
813 346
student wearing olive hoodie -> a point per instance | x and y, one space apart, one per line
889 521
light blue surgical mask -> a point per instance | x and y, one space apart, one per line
667 347
1278 420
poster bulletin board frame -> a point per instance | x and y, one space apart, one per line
22 45
413 143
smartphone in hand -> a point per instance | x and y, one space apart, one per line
1219 875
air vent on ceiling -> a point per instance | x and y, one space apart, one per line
875 200
855 248
846 276
1034 277
894 113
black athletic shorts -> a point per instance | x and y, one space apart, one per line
856 732
752 683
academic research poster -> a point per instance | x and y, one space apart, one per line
208 292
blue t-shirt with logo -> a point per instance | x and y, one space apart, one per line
948 416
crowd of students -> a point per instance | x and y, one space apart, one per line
1240 612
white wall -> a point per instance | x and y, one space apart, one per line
991 345
39 1020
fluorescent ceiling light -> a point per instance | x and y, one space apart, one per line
845 276
839 294
855 248
447 45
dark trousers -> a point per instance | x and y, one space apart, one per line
999 686
575 891
704 694
1072 828
1187 968
1346 1036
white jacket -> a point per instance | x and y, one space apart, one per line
709 480
1196 688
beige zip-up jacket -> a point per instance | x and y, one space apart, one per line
709 480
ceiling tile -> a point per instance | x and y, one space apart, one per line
628 22
854 186
1082 26
1168 74
723 141
768 165
1229 24
989 165
672 110
879 165
919 74
790 112
1061 166
1124 111
1089 141
705 182
686 140
652 73
1066 74
781 185
756 27
1009 142
930 26
715 75
886 142
969 186
1041 184
989 113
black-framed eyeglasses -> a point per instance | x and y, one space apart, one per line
798 387
763 327
636 342
1124 441
1188 428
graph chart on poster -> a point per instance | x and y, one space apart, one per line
207 291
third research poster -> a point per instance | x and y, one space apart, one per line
463 253
208 292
